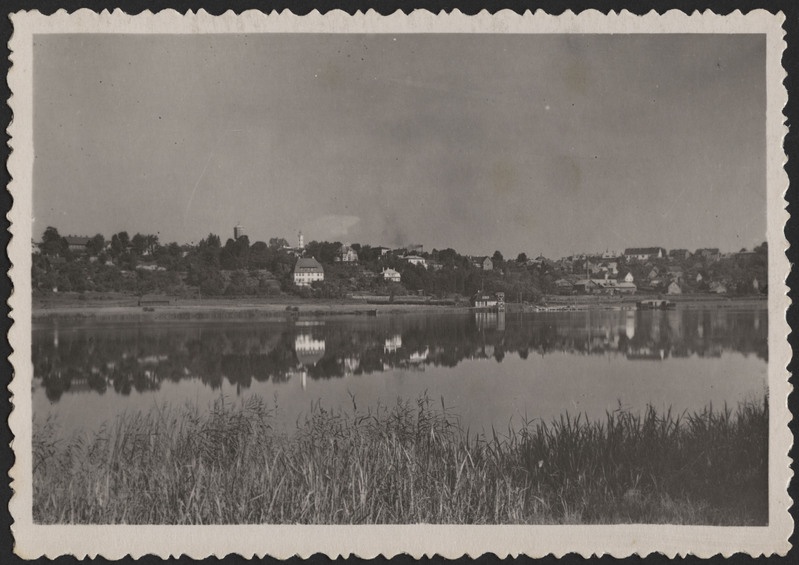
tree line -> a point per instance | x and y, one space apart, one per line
141 264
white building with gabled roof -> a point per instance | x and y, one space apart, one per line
308 270
390 275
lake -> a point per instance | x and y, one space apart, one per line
490 369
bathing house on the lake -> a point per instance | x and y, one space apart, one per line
489 300
484 300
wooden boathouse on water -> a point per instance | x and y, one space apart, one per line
494 301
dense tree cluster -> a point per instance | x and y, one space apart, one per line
142 264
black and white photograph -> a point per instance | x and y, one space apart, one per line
358 278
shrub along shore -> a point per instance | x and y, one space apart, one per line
408 463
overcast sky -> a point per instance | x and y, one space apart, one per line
547 144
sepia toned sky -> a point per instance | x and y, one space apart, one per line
539 143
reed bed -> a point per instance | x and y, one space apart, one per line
409 463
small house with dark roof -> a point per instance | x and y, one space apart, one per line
308 270
624 287
606 286
346 254
612 286
77 243
482 262
679 254
563 286
585 286
485 300
644 253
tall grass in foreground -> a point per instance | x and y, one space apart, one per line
405 464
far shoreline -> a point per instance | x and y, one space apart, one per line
252 308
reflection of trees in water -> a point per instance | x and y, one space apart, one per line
141 358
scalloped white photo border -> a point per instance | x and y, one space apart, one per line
282 541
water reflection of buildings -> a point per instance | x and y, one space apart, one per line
629 325
309 352
419 356
392 343
123 361
490 320
351 365
646 354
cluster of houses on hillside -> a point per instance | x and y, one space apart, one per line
610 272
658 271
309 270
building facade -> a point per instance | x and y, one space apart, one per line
644 253
77 243
307 271
416 260
484 300
485 263
680 254
390 275
347 254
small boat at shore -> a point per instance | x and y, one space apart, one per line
656 304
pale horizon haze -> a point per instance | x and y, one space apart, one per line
553 144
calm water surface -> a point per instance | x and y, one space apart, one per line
490 369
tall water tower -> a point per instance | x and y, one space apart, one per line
238 231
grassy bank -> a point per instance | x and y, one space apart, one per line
683 301
219 309
120 307
407 464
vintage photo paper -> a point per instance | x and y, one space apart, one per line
424 284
